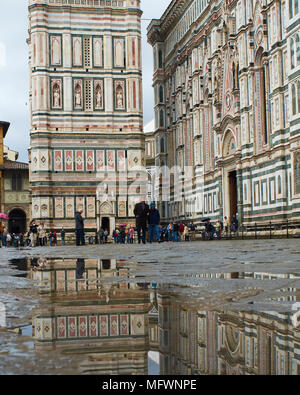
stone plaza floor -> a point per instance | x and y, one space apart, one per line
63 306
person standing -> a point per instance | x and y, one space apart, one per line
101 235
170 231
127 235
79 228
175 232
33 231
181 230
186 233
209 229
235 224
1 233
41 234
106 236
227 225
219 229
141 212
63 236
4 237
154 221
131 233
193 231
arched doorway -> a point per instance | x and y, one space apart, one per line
17 221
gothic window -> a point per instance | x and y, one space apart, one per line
298 48
292 48
88 95
161 94
293 8
87 51
162 145
260 102
297 173
161 118
160 59
294 99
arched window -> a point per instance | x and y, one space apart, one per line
160 59
294 99
161 94
162 145
294 8
161 118
261 134
298 48
292 47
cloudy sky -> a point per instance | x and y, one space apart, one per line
14 69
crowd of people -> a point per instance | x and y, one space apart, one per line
148 223
37 236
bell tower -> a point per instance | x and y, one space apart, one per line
86 108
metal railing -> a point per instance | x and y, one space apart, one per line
267 230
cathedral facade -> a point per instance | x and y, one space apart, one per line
227 105
86 110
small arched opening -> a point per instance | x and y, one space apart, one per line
17 221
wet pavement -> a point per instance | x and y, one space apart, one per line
227 307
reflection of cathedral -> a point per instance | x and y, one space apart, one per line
105 325
219 343
227 89
86 110
96 312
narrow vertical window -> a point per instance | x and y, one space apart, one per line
87 51
88 95
161 94
294 99
292 45
298 49
160 59
291 9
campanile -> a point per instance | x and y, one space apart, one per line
86 110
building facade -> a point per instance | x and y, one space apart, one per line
16 196
227 105
86 110
14 188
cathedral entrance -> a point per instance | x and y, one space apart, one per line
105 224
233 201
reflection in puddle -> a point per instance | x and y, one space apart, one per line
115 320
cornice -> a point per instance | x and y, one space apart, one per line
159 29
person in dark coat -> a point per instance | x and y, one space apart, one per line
141 212
79 229
209 229
154 221
234 224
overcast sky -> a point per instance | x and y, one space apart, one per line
14 69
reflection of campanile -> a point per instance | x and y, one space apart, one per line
86 109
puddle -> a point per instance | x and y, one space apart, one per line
109 316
